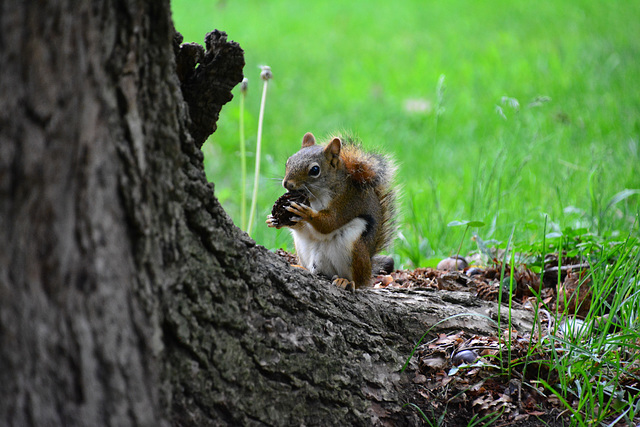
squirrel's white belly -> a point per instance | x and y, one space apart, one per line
328 254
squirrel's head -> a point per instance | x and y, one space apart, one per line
313 167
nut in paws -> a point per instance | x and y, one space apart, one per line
280 215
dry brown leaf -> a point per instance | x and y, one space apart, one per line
574 295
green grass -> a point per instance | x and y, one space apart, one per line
355 66
595 363
523 116
592 365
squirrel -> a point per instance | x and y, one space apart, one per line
351 212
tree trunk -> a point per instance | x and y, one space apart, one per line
127 295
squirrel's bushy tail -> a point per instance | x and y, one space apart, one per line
375 170
387 194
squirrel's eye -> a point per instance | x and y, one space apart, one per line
314 171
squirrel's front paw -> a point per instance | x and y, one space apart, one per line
272 222
302 212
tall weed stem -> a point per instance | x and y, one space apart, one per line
265 75
243 156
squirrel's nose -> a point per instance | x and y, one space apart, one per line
288 184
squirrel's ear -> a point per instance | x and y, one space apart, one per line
308 140
332 151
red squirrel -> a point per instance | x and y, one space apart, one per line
351 213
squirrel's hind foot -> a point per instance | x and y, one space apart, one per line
342 283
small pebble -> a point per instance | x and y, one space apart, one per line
454 263
464 356
474 271
573 327
420 379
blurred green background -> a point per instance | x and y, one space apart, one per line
502 112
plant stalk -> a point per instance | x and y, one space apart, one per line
243 166
256 178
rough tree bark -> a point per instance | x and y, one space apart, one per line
127 295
